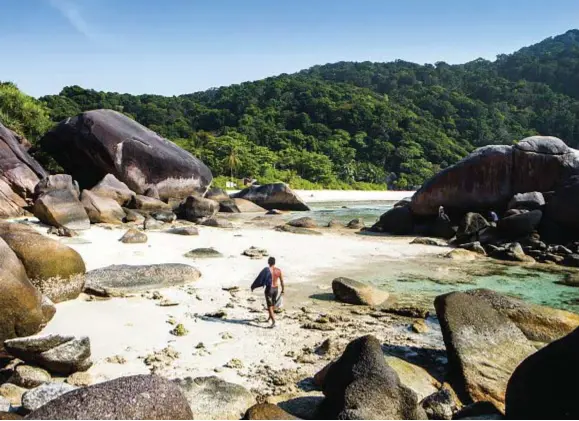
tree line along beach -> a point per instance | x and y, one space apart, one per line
125 275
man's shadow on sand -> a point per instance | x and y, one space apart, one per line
247 322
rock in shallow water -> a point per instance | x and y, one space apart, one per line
484 347
117 280
354 292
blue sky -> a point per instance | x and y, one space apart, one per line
172 47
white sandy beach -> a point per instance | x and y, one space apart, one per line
136 327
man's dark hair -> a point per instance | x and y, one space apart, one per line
271 261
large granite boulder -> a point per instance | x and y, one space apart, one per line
361 385
101 209
490 176
212 398
20 303
544 386
246 206
117 280
397 221
148 204
114 189
19 173
54 268
58 354
100 142
273 196
478 182
355 292
538 323
56 203
483 346
126 398
195 208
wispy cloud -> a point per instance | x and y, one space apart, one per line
72 13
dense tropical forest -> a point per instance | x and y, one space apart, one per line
346 125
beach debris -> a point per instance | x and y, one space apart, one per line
165 302
116 359
200 345
255 253
296 230
179 330
317 326
226 335
220 314
234 363
160 359
429 241
231 290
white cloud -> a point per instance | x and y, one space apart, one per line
72 13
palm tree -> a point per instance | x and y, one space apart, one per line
232 161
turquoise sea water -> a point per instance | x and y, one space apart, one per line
531 285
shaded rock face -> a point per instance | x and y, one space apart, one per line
99 142
228 206
195 208
538 323
101 209
490 176
54 268
397 221
267 411
212 398
562 209
58 354
484 347
273 196
470 227
360 385
133 397
19 174
57 203
355 292
544 386
117 280
20 302
114 189
520 225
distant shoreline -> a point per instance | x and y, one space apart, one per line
316 196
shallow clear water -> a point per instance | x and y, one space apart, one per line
324 212
530 285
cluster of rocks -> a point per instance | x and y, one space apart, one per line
531 187
119 171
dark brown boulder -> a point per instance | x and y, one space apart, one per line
483 346
397 221
100 142
361 385
20 303
127 398
19 173
544 386
479 181
490 176
520 225
563 208
470 226
228 206
273 196
195 208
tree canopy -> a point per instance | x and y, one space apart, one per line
360 124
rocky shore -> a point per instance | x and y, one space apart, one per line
124 289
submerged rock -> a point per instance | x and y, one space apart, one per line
484 347
118 280
354 292
133 397
305 222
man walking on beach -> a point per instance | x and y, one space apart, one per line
271 278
